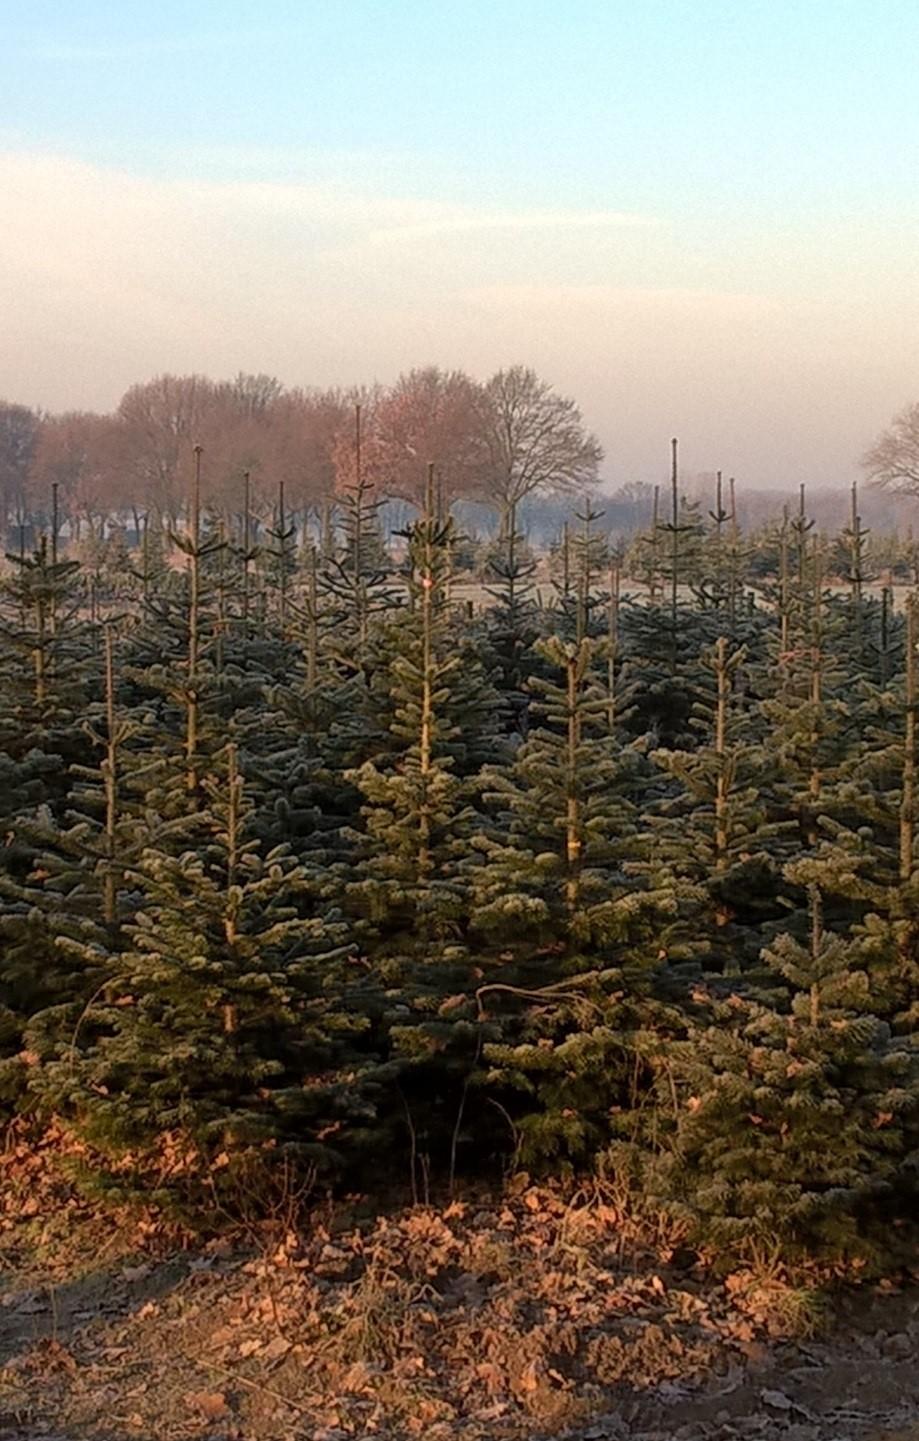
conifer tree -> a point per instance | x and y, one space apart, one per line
563 813
301 856
794 1124
809 713
682 531
45 655
60 921
403 884
357 578
853 545
225 1022
647 562
723 559
574 914
874 806
512 623
413 803
621 689
718 824
171 662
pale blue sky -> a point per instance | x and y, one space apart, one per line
694 216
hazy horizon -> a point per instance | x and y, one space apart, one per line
696 222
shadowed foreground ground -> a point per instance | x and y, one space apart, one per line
540 1314
211 1346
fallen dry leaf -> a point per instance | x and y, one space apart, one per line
212 1405
276 1348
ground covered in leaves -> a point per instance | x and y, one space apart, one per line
540 1315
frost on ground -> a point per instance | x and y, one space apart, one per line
541 1315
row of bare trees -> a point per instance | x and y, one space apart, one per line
496 442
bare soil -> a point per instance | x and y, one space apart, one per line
535 1316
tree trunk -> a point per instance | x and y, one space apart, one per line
194 563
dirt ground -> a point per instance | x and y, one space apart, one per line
859 1381
858 1384
532 1316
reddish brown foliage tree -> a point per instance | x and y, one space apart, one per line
432 417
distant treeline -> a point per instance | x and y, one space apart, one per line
508 444
496 443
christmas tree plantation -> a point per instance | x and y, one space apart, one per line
308 863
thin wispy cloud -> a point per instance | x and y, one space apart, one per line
332 216
108 275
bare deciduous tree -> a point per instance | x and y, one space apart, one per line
535 440
893 460
356 453
253 397
80 452
161 421
305 425
19 428
496 443
431 417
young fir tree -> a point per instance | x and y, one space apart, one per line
621 688
592 557
564 816
60 923
352 595
574 917
806 703
793 1122
874 814
297 733
403 886
170 663
226 1022
315 715
723 560
47 670
718 824
682 533
663 638
564 577
646 558
357 579
511 625
264 693
247 552
855 571
280 561
150 572
412 796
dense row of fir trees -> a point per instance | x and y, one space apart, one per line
309 864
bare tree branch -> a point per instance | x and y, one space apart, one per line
893 460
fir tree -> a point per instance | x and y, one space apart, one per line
413 799
45 660
512 622
794 1124
225 1021
718 825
